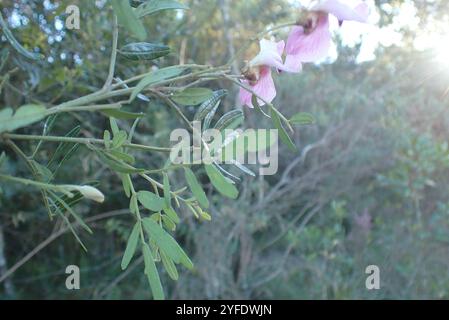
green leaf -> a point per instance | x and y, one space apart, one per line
49 124
117 165
172 214
151 201
256 105
155 77
210 116
166 243
44 173
220 183
152 274
144 51
114 126
230 120
133 205
63 152
24 116
243 168
153 6
204 215
127 18
122 156
169 266
132 131
66 220
124 115
302 118
196 188
192 96
5 115
107 139
16 45
78 219
167 194
156 217
209 105
170 225
131 246
119 139
285 138
126 182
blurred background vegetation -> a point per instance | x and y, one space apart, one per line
369 186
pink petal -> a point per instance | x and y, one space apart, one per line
292 64
289 65
245 96
310 47
269 54
344 11
281 47
264 88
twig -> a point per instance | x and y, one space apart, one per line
173 105
84 141
108 83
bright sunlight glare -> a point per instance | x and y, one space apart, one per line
438 44
442 50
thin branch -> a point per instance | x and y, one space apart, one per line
108 84
84 141
91 108
37 184
173 105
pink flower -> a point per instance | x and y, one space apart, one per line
311 40
258 75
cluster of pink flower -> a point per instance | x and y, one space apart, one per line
309 41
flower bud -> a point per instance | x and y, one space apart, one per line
87 191
91 193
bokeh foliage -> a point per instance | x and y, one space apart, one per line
369 185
